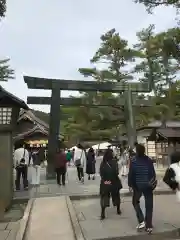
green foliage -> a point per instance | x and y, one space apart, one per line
151 4
162 51
154 56
2 8
114 54
6 72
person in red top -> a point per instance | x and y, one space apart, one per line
60 165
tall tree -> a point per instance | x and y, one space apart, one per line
2 8
112 57
6 72
151 4
164 60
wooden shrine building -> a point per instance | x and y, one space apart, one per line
161 139
32 130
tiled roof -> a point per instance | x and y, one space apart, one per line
8 98
40 126
169 133
36 129
30 115
158 124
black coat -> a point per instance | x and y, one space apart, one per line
109 171
169 179
90 164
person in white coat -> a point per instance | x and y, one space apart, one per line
172 175
80 161
21 161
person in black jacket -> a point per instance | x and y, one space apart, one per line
90 164
110 183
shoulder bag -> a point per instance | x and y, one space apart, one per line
78 161
22 161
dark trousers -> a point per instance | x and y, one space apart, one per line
80 173
61 175
21 172
105 199
148 196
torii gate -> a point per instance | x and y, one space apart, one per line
56 85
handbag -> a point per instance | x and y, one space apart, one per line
22 161
153 183
78 161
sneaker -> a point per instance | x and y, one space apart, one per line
82 180
149 230
141 225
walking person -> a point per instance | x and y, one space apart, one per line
110 184
172 174
69 157
123 162
21 161
37 158
142 181
79 161
60 167
90 164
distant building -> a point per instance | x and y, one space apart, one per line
32 130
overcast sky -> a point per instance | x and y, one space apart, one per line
54 38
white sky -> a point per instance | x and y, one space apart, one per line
55 38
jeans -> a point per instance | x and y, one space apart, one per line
80 173
21 171
148 196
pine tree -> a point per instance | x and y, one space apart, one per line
2 8
6 72
151 4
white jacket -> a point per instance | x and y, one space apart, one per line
176 168
80 154
19 154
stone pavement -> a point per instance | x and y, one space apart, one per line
73 187
49 211
10 224
166 219
49 220
8 230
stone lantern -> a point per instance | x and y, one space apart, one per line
10 106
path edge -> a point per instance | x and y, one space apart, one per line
74 197
24 221
78 233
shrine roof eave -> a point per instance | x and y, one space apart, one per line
10 99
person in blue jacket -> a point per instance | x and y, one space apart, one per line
142 181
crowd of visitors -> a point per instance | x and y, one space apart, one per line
133 163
